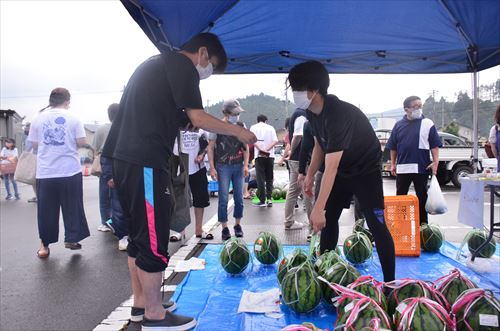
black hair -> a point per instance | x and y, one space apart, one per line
261 118
213 45
12 141
287 122
112 111
58 96
408 101
309 76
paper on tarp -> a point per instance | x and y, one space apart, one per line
260 302
471 205
193 263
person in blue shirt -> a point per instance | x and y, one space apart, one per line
412 140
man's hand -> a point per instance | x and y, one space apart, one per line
308 186
317 219
246 136
300 180
111 183
434 167
213 173
199 158
393 170
245 171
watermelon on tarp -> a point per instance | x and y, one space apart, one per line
300 289
359 226
370 287
325 261
422 314
294 259
452 285
412 288
342 274
476 238
431 237
357 248
267 248
477 309
234 256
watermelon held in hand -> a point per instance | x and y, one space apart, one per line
294 259
267 248
357 248
476 238
234 256
342 274
431 237
276 194
452 285
300 289
422 314
477 309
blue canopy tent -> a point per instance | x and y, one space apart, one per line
347 36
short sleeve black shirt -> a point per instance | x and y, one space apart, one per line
343 127
152 109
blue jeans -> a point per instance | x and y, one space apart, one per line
227 173
104 200
118 221
10 178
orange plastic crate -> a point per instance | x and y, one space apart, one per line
402 218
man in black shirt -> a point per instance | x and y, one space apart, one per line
162 96
345 140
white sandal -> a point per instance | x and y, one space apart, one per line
176 236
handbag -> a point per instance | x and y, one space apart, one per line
95 169
8 168
26 168
436 204
178 168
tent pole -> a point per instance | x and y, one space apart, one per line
475 120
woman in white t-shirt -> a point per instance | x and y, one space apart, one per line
9 155
57 134
493 138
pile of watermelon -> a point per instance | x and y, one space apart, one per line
477 309
300 288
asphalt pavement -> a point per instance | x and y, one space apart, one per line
76 290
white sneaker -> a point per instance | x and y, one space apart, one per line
123 243
103 228
295 226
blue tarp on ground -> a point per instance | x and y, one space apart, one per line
347 36
213 296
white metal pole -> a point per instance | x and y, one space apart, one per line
475 108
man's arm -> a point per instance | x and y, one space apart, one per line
213 172
435 160
200 119
493 150
246 156
394 155
295 143
271 145
317 158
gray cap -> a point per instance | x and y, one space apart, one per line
232 107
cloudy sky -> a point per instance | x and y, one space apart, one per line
92 48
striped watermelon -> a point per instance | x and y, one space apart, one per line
234 256
412 288
294 259
452 285
276 194
357 248
370 287
431 237
300 289
340 273
477 309
267 248
476 239
358 312
359 226
422 314
325 261
283 193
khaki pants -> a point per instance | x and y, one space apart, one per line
293 193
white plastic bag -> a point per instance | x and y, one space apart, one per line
435 205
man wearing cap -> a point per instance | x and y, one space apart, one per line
228 159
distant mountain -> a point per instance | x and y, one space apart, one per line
255 105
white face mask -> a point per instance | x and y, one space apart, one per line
415 114
233 119
204 72
301 100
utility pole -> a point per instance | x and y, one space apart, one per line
434 105
442 113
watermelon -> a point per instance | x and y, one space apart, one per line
326 261
431 237
314 249
359 226
477 309
422 314
276 194
340 273
412 288
370 287
357 248
294 259
452 285
476 239
300 289
283 193
234 256
358 312
267 248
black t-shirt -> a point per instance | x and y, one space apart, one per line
152 110
343 127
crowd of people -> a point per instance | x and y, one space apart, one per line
331 151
